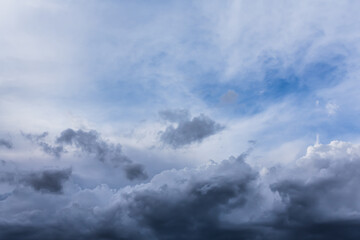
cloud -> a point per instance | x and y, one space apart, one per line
113 63
190 202
46 181
174 204
314 198
135 171
322 186
47 148
90 142
331 108
187 131
5 143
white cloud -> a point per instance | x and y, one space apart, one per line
332 108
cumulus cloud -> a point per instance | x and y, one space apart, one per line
329 175
181 203
314 198
5 143
91 143
187 130
174 204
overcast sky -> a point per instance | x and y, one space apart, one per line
177 120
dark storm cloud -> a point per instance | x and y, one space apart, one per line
187 130
199 205
90 142
316 199
5 143
186 204
47 148
47 181
50 181
135 171
323 195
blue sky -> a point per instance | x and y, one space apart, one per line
112 66
167 87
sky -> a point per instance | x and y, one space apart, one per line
171 120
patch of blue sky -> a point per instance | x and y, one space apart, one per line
342 128
278 83
305 122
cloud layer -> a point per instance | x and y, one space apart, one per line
314 198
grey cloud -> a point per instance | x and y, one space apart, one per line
8 177
90 142
190 131
51 150
135 171
5 143
177 204
318 199
184 204
47 148
47 181
325 194
315 199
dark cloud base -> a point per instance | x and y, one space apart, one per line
315 198
335 230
